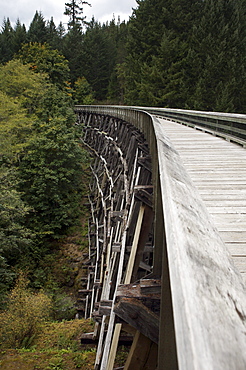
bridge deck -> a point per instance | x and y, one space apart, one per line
218 170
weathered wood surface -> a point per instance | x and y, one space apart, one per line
120 226
202 315
139 306
213 162
208 293
143 354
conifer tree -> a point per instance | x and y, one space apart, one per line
53 38
71 48
6 41
38 31
20 35
74 9
97 59
220 45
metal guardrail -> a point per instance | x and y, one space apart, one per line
203 309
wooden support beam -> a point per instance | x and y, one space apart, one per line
144 233
109 140
135 313
150 286
147 248
130 266
145 162
148 295
144 196
143 354
105 307
131 261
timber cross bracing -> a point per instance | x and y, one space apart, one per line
158 266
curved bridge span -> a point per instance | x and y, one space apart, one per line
167 254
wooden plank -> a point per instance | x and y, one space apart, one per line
131 261
226 203
143 354
236 248
150 286
240 263
110 348
233 236
148 294
114 345
143 236
226 210
130 266
135 313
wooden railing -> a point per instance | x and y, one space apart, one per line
203 299
231 126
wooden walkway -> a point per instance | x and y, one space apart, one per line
168 211
218 170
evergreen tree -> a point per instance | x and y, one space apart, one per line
118 35
61 32
74 9
20 35
38 32
145 31
83 93
6 42
53 38
220 44
72 48
97 59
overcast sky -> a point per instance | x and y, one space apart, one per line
102 10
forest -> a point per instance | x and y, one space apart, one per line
188 54
171 53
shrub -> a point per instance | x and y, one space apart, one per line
25 311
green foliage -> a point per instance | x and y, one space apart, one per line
176 53
42 58
186 54
6 41
56 363
38 31
49 156
97 59
15 127
83 92
50 176
40 170
18 82
63 307
21 320
15 238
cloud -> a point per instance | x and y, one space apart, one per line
105 10
102 10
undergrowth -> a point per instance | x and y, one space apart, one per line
56 346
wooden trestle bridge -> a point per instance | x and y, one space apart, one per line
167 235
